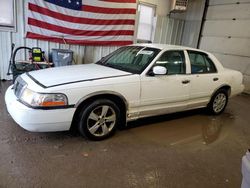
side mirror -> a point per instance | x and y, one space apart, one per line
160 70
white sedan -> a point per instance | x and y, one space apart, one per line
132 82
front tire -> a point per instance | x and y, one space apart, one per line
218 102
99 119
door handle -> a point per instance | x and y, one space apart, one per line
185 81
215 79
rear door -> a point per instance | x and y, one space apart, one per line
204 78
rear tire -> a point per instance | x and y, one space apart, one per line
218 102
99 119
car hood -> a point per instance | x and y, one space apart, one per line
75 73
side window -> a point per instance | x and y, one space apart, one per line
174 61
200 63
210 65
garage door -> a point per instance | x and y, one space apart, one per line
226 33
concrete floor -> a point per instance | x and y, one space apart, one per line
188 149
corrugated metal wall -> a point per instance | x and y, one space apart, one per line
193 20
193 23
168 31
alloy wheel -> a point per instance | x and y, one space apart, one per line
219 102
101 120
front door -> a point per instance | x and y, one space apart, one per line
162 94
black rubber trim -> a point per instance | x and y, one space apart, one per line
37 82
47 108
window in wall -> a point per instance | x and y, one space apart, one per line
7 16
146 24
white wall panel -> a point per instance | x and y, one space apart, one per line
191 33
168 30
195 10
246 81
5 48
223 2
228 11
227 28
233 46
239 63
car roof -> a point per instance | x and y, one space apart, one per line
167 47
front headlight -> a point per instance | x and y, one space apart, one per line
43 100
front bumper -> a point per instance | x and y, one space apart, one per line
37 120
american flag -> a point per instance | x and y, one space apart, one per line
85 22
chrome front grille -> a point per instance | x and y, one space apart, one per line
19 86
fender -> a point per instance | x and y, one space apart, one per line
223 85
102 93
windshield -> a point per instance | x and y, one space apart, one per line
132 59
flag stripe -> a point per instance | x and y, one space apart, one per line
120 1
81 42
47 32
65 30
53 14
94 3
107 4
73 25
108 10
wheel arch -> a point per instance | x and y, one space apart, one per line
224 86
210 107
115 97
